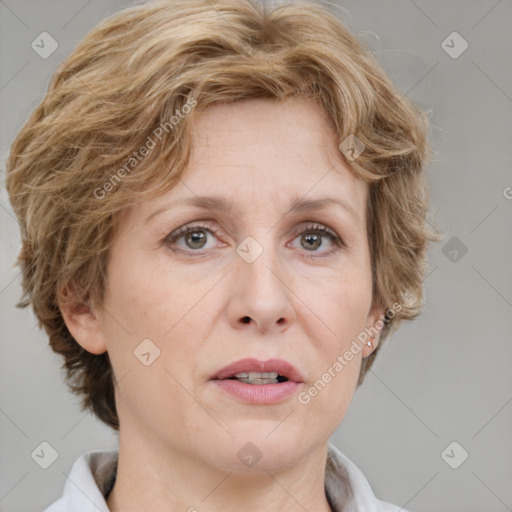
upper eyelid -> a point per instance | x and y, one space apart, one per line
211 226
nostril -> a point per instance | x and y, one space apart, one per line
246 319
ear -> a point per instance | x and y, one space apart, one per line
82 322
374 324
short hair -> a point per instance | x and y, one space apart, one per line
137 81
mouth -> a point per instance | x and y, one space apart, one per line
255 372
259 382
256 378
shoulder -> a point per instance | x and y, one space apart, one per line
85 484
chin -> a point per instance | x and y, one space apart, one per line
257 451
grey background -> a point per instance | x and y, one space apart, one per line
442 378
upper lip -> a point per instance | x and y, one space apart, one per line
280 366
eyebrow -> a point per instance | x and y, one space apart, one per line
222 205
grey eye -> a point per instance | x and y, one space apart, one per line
196 239
311 241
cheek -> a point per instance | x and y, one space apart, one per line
147 303
156 302
342 302
329 393
148 295
340 294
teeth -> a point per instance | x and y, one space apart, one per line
256 375
258 381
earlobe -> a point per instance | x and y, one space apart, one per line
373 328
83 324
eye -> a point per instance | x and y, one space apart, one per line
312 238
194 237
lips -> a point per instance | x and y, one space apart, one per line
283 368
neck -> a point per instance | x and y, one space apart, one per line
179 481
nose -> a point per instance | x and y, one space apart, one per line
259 291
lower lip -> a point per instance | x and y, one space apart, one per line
259 394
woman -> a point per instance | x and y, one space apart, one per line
223 213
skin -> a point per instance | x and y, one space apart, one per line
179 434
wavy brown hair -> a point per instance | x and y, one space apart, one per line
126 80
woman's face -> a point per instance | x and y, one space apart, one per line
176 306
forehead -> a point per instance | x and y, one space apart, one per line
260 155
287 139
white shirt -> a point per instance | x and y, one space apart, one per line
346 487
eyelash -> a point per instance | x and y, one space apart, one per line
314 228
